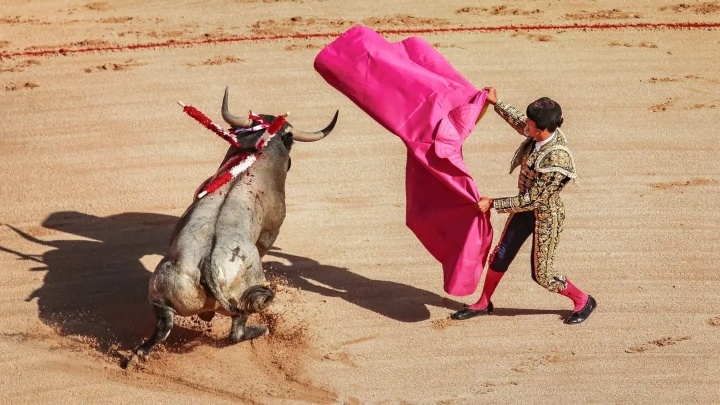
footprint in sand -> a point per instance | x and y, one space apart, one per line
661 80
668 341
696 182
655 80
662 106
298 24
16 86
703 8
218 60
115 20
714 321
89 43
670 102
297 47
114 67
405 21
535 37
446 45
533 363
540 37
21 66
496 10
98 6
21 21
614 14
643 44
490 386
698 106
505 10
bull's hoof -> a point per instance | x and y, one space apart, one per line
135 360
250 333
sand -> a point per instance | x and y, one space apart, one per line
98 162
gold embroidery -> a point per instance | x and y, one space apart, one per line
559 159
512 116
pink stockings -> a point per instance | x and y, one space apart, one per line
578 297
492 279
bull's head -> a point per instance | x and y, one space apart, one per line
287 133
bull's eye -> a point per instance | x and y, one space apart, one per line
289 163
288 140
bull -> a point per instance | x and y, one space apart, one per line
214 264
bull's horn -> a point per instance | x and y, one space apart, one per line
303 136
235 122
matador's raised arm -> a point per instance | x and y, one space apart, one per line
511 115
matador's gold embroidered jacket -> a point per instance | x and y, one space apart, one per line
543 173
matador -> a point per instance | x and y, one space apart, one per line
546 166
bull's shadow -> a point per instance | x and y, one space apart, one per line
96 288
397 301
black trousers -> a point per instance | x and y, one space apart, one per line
518 228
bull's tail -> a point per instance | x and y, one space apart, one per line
256 299
209 278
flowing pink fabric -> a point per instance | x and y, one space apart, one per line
414 92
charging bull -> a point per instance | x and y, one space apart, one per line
214 261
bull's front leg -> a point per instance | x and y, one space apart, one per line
240 331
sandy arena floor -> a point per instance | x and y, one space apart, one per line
98 162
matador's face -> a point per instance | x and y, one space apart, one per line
531 129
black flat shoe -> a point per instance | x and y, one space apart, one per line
584 313
467 313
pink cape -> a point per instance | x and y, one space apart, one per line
414 92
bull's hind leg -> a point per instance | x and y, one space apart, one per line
265 241
240 331
165 317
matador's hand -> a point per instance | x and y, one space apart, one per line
492 95
484 204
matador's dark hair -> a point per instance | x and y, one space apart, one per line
545 113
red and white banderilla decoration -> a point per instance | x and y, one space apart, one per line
240 163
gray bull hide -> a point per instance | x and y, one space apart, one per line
214 261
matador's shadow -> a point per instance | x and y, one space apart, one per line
96 288
396 301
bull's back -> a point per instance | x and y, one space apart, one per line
240 222
195 233
219 233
